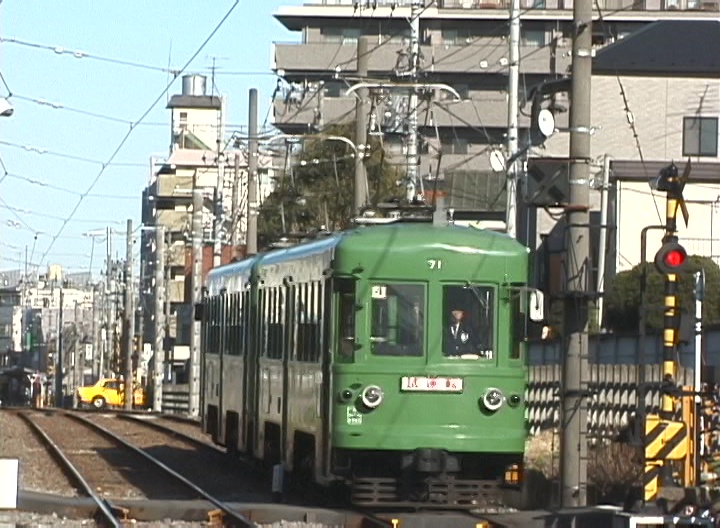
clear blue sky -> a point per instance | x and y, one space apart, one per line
147 32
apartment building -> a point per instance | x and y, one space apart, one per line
201 156
463 43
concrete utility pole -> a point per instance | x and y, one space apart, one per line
218 230
512 133
96 340
77 364
235 217
361 118
197 267
253 203
573 445
129 316
59 368
412 136
109 306
159 319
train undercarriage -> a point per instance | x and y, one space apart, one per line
428 478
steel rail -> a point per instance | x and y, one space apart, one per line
239 520
104 507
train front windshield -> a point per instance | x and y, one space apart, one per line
398 320
468 313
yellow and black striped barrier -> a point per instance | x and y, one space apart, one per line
665 440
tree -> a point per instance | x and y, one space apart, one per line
622 299
317 192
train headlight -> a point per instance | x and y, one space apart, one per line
493 398
346 395
372 396
514 400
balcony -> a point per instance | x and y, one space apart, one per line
172 219
169 186
486 109
478 57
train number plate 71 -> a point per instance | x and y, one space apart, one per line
426 384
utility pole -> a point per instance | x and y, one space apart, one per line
573 445
197 269
412 135
251 242
129 316
95 332
59 368
512 133
218 231
109 306
77 365
361 117
159 319
235 217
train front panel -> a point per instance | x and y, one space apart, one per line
429 367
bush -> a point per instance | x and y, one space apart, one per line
622 297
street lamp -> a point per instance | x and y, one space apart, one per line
6 109
327 137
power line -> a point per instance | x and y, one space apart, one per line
58 188
55 217
41 150
134 126
629 115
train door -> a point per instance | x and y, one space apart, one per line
211 353
222 330
232 373
289 342
250 339
325 316
259 347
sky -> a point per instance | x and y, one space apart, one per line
79 73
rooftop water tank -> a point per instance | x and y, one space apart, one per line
193 84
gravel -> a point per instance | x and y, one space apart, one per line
38 471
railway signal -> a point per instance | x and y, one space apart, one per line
671 258
667 437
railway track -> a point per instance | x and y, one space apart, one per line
108 459
96 458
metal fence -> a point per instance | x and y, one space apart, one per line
613 370
613 400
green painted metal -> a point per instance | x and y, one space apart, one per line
299 397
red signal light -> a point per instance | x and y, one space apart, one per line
671 258
674 258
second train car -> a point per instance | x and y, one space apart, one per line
389 358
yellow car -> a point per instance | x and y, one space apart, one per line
108 392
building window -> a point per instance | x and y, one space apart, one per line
700 136
344 35
455 146
535 38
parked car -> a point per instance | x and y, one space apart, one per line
109 392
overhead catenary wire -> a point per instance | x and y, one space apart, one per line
133 126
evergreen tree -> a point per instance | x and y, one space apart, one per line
318 190
622 298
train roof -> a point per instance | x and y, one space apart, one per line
462 239
381 238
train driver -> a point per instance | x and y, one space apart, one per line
460 337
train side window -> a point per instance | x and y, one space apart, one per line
301 346
345 292
214 326
398 319
228 304
235 347
262 326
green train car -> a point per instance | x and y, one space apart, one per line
388 358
